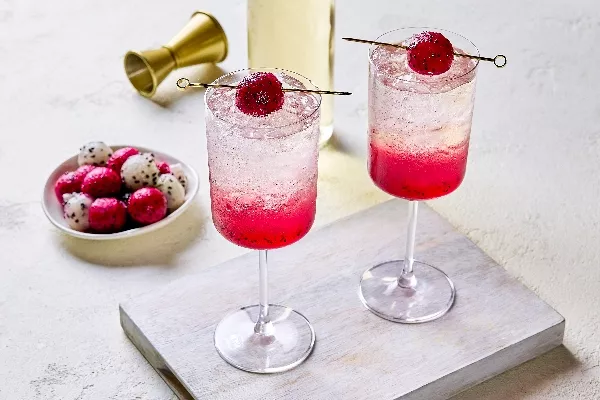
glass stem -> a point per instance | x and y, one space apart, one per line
263 323
407 279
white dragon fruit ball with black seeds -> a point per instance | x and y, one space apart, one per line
177 171
94 153
76 211
140 171
173 191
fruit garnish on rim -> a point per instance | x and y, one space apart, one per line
430 53
258 94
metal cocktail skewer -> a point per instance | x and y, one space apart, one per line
184 83
499 61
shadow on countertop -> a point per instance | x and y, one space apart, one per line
337 143
521 382
159 247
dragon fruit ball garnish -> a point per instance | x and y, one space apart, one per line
431 53
258 94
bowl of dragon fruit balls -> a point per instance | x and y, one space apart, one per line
111 192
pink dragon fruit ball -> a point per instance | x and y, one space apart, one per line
147 206
101 182
82 171
66 183
163 167
107 215
118 158
70 182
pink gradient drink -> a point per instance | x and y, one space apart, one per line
248 222
419 125
420 111
262 156
417 176
263 170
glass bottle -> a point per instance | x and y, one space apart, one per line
296 35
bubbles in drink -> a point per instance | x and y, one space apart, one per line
263 170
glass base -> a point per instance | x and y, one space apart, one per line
288 340
430 298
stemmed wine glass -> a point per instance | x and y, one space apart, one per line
419 128
263 190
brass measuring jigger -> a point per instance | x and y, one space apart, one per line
202 40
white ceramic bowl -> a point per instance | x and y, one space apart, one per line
54 210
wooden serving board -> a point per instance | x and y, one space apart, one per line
496 322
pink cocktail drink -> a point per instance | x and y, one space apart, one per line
248 221
419 125
262 156
420 111
417 175
263 170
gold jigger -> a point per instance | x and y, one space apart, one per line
202 40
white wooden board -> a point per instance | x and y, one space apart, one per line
496 322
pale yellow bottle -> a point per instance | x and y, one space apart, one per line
296 35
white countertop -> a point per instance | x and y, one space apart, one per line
529 198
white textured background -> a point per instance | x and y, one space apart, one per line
530 198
